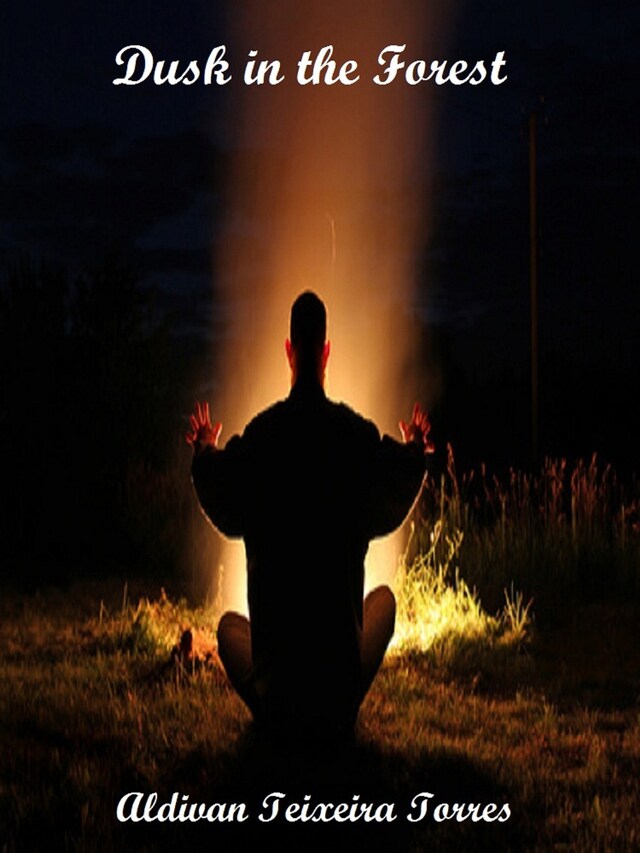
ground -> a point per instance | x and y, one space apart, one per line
91 709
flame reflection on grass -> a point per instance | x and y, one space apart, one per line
438 613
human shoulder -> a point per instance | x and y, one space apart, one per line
355 421
343 417
265 419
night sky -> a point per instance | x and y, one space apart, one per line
85 165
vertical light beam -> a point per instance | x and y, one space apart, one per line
327 190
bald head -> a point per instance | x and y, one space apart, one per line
307 348
308 322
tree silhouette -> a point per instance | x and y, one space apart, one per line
88 390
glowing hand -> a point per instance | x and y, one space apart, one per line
418 429
202 433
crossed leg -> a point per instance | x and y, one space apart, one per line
378 622
234 644
234 648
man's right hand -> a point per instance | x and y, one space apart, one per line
202 433
418 429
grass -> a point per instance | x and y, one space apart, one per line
91 709
438 615
566 536
477 703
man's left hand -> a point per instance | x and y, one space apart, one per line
202 433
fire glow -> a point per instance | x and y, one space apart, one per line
327 191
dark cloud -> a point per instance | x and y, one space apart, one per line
30 144
69 191
84 163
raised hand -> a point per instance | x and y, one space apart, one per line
202 433
418 429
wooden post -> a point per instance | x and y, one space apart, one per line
533 284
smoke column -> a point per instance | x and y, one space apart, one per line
327 190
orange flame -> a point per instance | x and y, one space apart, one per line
327 191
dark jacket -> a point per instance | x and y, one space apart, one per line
307 486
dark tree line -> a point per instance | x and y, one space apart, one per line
89 419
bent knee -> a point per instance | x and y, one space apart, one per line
380 607
382 597
232 624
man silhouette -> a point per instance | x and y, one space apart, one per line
307 486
